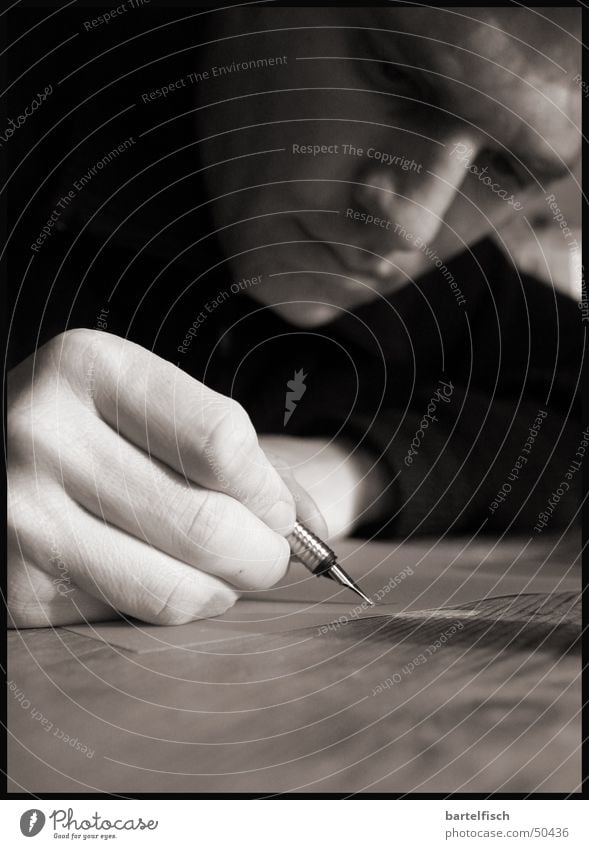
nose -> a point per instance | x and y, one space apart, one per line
415 200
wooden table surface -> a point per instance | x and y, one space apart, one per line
483 697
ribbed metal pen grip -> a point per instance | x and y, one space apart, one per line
310 550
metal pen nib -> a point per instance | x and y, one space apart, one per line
319 559
336 573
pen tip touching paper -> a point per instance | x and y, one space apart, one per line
362 595
337 574
359 592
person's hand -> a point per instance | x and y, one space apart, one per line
134 489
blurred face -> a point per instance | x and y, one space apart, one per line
365 144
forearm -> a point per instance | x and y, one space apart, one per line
482 463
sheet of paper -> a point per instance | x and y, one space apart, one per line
401 578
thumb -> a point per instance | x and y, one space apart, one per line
307 511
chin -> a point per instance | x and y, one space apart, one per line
312 308
305 314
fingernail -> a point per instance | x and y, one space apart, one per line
281 517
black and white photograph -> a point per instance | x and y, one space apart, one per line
295 344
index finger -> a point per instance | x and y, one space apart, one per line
203 435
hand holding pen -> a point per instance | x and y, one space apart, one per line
155 500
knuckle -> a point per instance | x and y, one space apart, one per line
62 356
69 359
237 463
75 337
199 523
65 348
232 438
265 488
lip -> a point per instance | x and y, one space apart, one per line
354 288
379 276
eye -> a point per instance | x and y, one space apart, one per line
504 165
401 78
397 78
